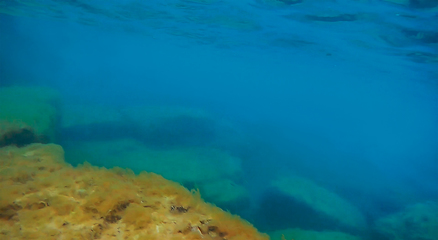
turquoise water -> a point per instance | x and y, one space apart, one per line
316 115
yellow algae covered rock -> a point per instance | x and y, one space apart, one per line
27 115
42 197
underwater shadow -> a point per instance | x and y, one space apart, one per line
278 211
177 131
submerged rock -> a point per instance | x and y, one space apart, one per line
416 3
184 165
344 17
296 233
27 115
226 194
155 126
42 197
281 2
415 222
316 207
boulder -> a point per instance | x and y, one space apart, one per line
312 206
27 115
188 165
415 222
296 233
226 194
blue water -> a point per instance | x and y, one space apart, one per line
343 93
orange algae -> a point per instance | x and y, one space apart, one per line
42 197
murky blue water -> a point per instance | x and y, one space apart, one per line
231 96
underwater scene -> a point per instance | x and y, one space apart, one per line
219 119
